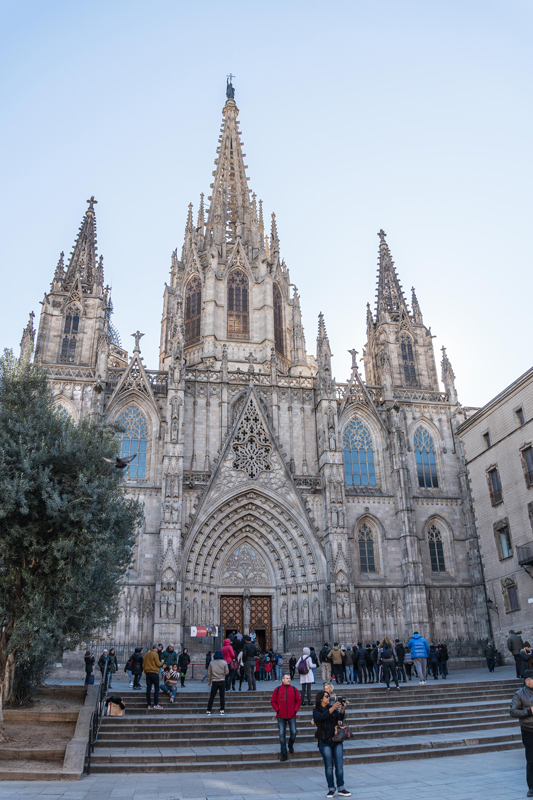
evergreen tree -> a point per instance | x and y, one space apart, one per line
67 528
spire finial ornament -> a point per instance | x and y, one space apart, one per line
230 91
91 202
137 336
354 354
382 236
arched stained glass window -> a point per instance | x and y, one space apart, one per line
408 360
425 460
278 321
133 441
436 550
238 324
70 332
193 310
359 469
366 548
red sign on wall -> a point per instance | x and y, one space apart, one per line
202 630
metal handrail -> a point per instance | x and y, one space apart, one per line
96 720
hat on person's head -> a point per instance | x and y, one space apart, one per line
306 651
160 644
511 631
106 651
528 673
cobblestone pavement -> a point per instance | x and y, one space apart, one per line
498 776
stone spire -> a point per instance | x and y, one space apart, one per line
298 353
82 262
448 377
230 211
390 298
274 239
59 274
369 320
189 233
417 314
28 338
323 354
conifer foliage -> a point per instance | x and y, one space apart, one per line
67 528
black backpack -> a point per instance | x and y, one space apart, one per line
387 655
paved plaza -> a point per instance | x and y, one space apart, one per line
498 776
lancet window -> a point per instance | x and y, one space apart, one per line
278 321
193 310
70 333
365 538
425 459
408 360
238 316
359 467
436 550
133 441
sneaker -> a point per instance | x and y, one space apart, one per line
221 713
158 706
291 748
131 685
149 706
388 688
331 793
171 699
397 688
284 757
208 713
530 793
344 793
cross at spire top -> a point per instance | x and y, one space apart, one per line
91 202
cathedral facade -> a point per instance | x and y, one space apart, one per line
276 499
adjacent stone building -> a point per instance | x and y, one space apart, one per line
498 442
276 498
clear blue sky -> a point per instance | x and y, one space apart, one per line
411 116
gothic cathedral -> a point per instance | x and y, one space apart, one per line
276 499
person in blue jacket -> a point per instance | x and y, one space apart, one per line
419 653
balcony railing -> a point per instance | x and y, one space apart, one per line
524 553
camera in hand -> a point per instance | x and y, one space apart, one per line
341 700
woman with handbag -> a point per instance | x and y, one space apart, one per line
329 734
170 681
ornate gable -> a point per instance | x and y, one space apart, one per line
134 379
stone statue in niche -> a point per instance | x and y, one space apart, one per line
346 606
316 611
334 517
166 512
305 613
172 605
331 430
186 613
163 605
174 425
204 612
175 511
168 485
340 607
211 619
246 613
283 613
195 611
294 612
340 515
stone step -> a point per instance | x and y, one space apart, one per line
269 737
308 759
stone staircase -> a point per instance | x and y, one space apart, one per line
417 722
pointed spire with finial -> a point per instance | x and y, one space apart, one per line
323 352
201 220
298 353
99 273
82 261
448 377
28 339
390 298
189 231
59 274
274 238
369 320
261 222
417 314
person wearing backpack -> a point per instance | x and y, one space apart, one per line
286 702
304 667
326 663
387 659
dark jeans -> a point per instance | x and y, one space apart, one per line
183 673
400 671
305 689
518 662
337 671
331 752
408 669
389 671
136 680
527 739
152 679
443 668
362 672
282 727
230 679
249 670
434 667
241 677
491 662
217 686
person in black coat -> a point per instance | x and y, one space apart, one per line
326 717
184 660
89 664
433 661
292 666
442 653
400 654
360 659
369 663
137 667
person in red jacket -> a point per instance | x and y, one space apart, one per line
286 702
228 654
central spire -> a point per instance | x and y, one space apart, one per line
230 212
390 298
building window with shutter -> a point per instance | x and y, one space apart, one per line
495 486
527 463
510 595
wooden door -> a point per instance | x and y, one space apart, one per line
231 613
261 617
